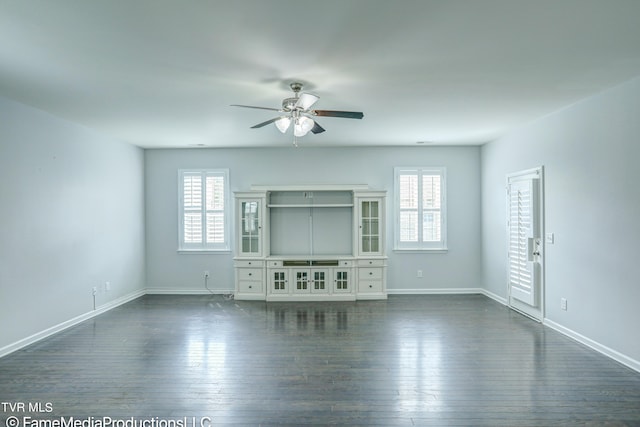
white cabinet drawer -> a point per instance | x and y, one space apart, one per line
274 263
245 274
371 262
365 286
250 287
249 263
370 273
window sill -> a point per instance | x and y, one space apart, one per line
203 251
422 250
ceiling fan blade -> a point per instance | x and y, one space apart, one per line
259 108
343 114
317 128
259 125
306 100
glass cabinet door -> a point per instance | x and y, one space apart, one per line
279 282
301 281
319 281
341 281
370 227
250 227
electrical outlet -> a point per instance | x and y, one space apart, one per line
419 273
563 304
94 290
206 273
107 286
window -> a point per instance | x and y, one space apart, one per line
420 209
203 203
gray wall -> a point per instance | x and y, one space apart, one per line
71 218
459 268
590 152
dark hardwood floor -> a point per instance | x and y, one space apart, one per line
410 360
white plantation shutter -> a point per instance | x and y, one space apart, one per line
215 209
203 219
409 226
431 205
420 208
192 205
522 234
408 209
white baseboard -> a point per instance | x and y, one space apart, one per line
180 291
102 309
448 291
69 323
618 357
435 291
494 297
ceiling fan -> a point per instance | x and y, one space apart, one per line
297 110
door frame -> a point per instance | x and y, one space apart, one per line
535 313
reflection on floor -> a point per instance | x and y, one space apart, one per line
409 360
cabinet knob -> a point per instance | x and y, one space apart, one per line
370 273
250 274
371 286
250 286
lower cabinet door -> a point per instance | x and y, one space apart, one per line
319 281
301 281
278 281
341 281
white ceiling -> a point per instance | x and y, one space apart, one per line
162 73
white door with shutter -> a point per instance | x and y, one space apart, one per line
524 231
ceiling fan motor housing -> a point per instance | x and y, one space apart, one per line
288 104
296 87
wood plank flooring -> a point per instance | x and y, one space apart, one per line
410 360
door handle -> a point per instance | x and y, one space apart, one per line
533 248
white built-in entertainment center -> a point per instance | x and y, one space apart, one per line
310 243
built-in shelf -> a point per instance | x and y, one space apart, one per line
310 243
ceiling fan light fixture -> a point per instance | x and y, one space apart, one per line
283 124
297 109
302 126
306 100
